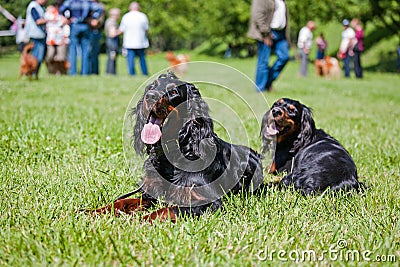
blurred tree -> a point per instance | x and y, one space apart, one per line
385 14
16 8
215 25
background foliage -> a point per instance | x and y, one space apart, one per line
211 26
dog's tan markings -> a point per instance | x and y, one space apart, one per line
162 215
127 205
281 101
285 123
291 107
170 108
272 168
193 195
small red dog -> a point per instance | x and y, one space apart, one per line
178 63
327 67
29 63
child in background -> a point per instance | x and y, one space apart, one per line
112 41
57 35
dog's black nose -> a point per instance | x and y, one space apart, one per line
276 112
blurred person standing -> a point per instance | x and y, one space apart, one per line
322 45
35 26
358 47
346 46
304 44
95 39
398 58
112 39
135 26
269 26
57 35
82 14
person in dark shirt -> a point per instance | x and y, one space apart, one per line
82 15
95 39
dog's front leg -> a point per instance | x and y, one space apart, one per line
127 205
164 214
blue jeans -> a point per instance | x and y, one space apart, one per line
398 58
112 53
39 50
320 54
358 70
132 53
346 65
265 74
95 37
79 37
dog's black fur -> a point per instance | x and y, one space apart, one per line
189 157
313 160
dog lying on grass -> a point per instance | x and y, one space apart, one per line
188 165
313 160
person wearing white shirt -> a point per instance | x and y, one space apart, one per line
135 26
346 46
304 44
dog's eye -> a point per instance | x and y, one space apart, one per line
173 92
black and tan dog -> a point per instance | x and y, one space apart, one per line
188 165
313 160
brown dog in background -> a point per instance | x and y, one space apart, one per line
57 67
29 64
177 63
327 67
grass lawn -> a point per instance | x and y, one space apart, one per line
62 150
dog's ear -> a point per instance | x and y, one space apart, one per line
197 138
198 127
197 107
139 117
307 129
171 75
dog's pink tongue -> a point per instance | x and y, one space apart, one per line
271 130
151 133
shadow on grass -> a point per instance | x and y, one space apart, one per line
388 60
387 63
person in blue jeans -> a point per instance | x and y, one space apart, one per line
346 46
131 55
82 14
398 58
36 29
135 26
269 27
95 38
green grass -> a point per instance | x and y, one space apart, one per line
62 150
